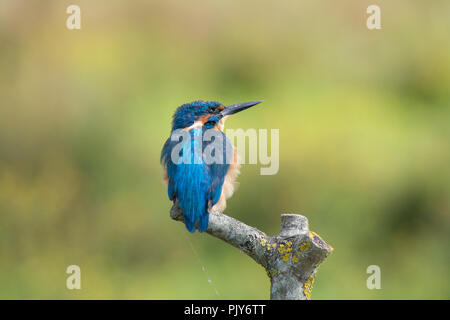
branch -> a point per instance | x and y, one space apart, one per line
291 258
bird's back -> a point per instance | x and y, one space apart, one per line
196 183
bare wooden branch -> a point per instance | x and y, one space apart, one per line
290 258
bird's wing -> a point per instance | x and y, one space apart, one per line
169 166
218 170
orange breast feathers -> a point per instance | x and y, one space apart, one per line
165 177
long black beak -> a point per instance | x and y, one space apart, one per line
235 108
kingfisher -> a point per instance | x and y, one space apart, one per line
201 187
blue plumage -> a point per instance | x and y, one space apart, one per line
197 186
196 183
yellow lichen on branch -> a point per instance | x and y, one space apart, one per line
308 287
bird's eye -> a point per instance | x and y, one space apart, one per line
215 109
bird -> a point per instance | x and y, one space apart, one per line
201 187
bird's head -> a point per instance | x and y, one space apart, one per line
206 114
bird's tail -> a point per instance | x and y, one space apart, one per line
192 198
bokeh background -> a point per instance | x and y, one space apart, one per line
364 143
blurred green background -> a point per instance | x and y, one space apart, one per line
364 143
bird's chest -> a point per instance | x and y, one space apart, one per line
232 173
